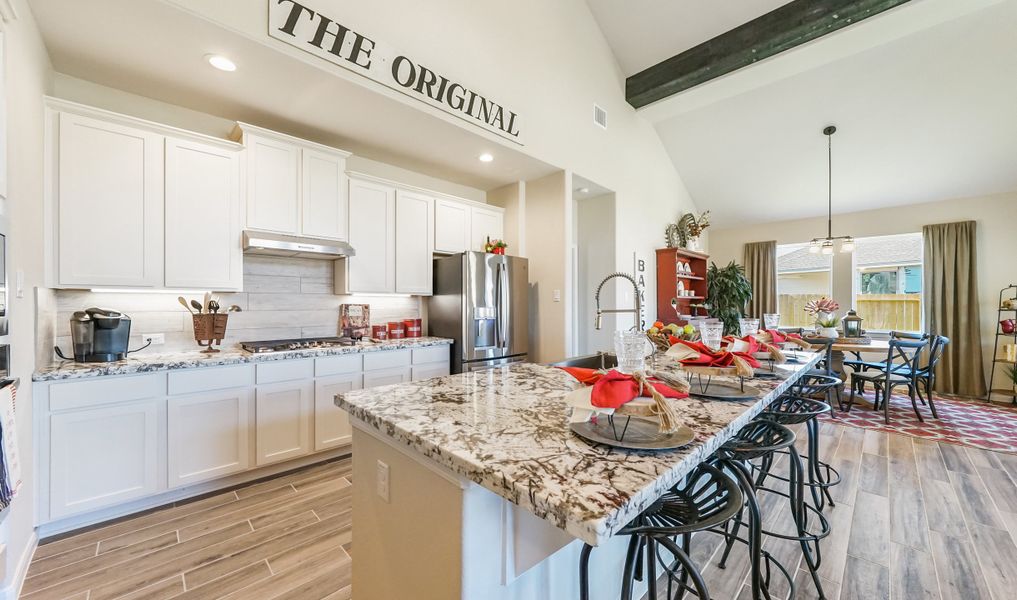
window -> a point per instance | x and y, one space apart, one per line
801 276
888 282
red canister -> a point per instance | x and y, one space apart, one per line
379 332
396 330
412 327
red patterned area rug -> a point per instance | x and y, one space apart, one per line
962 421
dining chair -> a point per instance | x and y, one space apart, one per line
859 364
908 353
825 367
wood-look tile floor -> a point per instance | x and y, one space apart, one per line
286 538
913 520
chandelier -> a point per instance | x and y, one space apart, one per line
825 244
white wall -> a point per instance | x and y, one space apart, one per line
548 204
996 248
512 198
28 78
595 239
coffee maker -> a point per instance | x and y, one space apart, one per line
99 335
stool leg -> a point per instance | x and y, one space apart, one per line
651 567
628 572
797 493
584 572
744 479
815 469
689 569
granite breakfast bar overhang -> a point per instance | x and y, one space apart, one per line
492 495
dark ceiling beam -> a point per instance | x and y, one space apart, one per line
791 25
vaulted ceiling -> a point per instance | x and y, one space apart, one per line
923 97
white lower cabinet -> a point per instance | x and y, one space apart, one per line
422 372
105 456
331 423
386 377
208 435
283 414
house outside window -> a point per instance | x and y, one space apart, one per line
801 276
888 282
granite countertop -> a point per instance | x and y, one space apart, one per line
145 363
506 429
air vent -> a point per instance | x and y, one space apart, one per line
600 116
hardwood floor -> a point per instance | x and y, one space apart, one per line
287 538
913 520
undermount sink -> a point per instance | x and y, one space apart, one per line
600 360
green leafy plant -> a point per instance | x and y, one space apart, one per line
728 290
831 322
1011 372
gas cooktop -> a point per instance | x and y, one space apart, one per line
296 344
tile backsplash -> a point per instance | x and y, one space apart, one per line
282 298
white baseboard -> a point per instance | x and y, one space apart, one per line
12 591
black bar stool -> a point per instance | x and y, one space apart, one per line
759 439
799 405
706 499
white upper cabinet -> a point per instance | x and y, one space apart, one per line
273 184
372 216
324 206
138 204
413 265
294 186
109 216
202 217
485 223
451 226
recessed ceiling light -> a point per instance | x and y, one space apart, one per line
583 190
221 62
485 157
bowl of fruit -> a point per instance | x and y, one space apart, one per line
661 334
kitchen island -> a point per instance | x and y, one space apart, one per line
475 486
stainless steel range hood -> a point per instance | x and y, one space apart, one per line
277 244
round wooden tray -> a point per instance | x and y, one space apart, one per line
634 433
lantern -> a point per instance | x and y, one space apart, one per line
852 325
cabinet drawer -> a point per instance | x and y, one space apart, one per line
334 365
431 355
422 372
106 390
285 370
386 360
206 380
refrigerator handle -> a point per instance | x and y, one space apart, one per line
504 309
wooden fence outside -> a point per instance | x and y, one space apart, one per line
881 311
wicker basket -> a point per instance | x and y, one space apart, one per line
210 329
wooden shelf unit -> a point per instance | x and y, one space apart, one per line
668 278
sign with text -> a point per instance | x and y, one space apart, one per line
639 273
301 26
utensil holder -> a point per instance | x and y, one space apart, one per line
210 329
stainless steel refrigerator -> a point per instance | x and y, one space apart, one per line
482 302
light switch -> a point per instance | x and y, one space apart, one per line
556 295
19 288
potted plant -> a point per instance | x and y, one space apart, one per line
495 246
728 291
827 326
823 310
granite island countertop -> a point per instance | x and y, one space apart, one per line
507 430
146 363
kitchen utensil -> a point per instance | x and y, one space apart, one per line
197 306
209 329
213 306
181 300
204 303
234 308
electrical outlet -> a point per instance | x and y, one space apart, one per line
155 338
556 294
383 480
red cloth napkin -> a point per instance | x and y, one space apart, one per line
612 389
754 344
720 358
781 337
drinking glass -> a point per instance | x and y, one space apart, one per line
771 320
712 334
632 349
748 326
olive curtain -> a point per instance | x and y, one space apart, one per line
760 260
951 306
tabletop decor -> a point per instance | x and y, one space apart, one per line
685 233
852 325
823 310
495 246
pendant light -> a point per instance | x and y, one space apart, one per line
825 245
